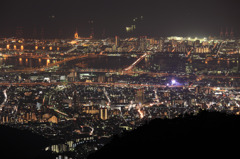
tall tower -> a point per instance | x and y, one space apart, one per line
103 33
34 35
226 33
231 33
19 32
221 33
42 33
76 34
91 22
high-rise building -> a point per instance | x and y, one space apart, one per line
161 42
103 113
140 97
117 41
143 43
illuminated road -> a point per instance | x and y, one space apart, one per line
110 84
129 68
84 83
5 97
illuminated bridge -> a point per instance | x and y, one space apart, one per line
48 66
129 68
97 70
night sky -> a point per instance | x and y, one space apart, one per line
161 17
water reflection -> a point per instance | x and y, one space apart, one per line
104 62
21 63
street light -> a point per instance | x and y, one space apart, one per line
173 81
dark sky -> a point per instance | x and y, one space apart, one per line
161 17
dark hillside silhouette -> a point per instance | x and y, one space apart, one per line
20 144
209 134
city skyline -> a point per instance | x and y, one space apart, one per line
77 76
160 18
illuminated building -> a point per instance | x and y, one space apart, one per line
117 41
131 28
49 118
8 46
167 94
140 97
101 79
143 44
90 109
77 37
103 113
198 90
161 43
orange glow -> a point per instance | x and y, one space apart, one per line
76 35
140 113
20 61
8 46
15 47
48 62
22 47
36 47
50 48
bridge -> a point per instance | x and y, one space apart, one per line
97 70
129 68
48 66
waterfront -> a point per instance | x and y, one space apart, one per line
22 63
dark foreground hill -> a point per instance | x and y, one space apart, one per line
16 144
209 134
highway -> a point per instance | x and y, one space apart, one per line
110 84
129 68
